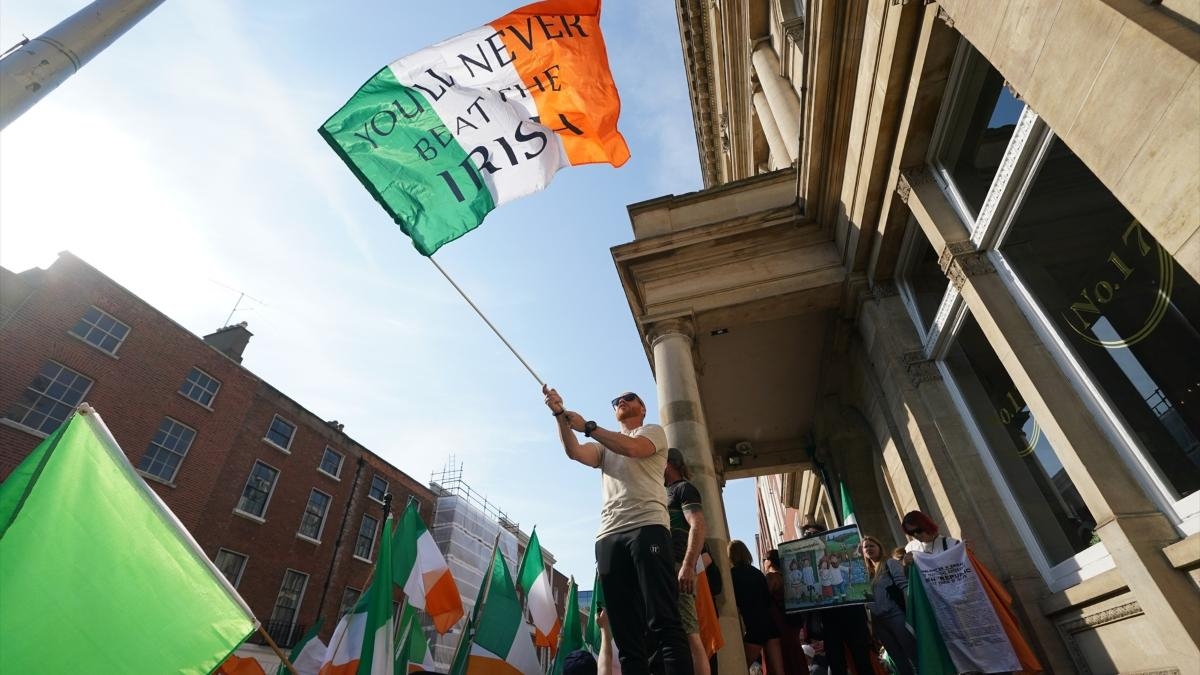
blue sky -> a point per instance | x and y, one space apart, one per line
184 162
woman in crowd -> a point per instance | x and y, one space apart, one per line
924 536
761 635
886 603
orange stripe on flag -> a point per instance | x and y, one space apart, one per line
443 603
560 57
706 612
1002 601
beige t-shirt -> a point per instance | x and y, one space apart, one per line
632 489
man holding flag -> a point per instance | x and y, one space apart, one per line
633 548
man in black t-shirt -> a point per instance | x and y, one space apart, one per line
688 529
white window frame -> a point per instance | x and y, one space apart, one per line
358 535
94 328
162 448
286 449
192 386
299 596
241 570
43 394
341 461
1085 564
267 503
1017 171
1184 513
371 488
324 517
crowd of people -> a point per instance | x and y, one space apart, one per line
647 550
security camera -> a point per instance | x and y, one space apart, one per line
743 447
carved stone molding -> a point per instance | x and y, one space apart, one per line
911 178
967 266
919 369
945 17
663 328
1004 173
1087 622
960 261
1110 615
954 249
793 28
725 144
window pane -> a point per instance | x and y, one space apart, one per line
331 462
50 397
231 565
379 488
366 538
280 432
1045 494
314 514
924 276
1130 312
257 490
349 599
981 123
168 448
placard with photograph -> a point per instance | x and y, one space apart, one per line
824 570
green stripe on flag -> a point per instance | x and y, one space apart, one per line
932 656
592 635
502 613
402 152
572 632
92 562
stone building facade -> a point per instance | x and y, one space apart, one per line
948 256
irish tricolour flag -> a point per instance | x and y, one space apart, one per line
362 642
443 136
534 579
421 569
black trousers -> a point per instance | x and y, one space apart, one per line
637 569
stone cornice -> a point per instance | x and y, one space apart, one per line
696 35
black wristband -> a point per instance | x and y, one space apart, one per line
560 412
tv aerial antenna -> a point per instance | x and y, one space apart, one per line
242 295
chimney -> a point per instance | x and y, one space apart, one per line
230 340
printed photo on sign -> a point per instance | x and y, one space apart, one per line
824 570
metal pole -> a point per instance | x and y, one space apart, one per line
35 68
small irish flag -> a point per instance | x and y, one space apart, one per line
534 579
501 644
443 136
362 642
412 646
421 569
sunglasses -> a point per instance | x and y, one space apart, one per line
627 398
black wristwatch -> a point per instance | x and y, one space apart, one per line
588 427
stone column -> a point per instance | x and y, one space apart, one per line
782 98
779 154
683 418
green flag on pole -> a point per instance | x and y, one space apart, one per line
98 575
592 634
847 505
572 631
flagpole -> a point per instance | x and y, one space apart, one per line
485 320
278 652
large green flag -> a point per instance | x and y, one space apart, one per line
96 573
572 631
592 635
932 655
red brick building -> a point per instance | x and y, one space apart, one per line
284 502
